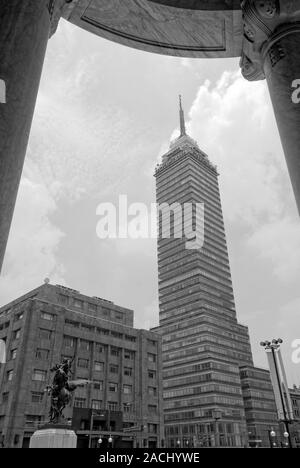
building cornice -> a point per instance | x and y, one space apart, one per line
177 155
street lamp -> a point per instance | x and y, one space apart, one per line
286 436
110 441
217 415
272 435
273 346
178 443
100 441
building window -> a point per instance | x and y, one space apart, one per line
127 407
79 402
112 406
128 354
152 391
37 397
4 325
87 327
19 316
118 316
151 342
127 389
69 342
46 316
39 375
115 351
103 331
85 345
42 354
83 363
63 299
152 409
130 338
33 420
128 371
151 374
112 387
13 354
113 369
96 404
5 397
16 334
99 348
45 334
99 366
152 428
78 303
71 323
98 385
151 357
10 375
117 335
92 307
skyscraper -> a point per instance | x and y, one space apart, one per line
203 343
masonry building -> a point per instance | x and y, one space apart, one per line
123 401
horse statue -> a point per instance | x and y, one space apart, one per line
61 389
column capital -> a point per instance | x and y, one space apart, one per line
265 22
56 9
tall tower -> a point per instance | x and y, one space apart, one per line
203 343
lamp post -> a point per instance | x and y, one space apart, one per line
178 443
91 429
110 442
217 415
273 347
286 436
272 435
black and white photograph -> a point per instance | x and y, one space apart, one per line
149 227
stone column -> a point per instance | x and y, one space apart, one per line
25 26
271 50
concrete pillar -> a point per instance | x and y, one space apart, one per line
24 33
282 70
271 50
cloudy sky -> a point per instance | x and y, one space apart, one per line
104 116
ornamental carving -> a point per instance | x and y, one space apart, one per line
261 21
267 8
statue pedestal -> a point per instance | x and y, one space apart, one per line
54 437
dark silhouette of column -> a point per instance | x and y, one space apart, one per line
25 26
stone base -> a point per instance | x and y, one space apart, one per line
53 438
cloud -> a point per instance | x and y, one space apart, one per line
148 316
234 124
30 255
279 242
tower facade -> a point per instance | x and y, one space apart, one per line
203 343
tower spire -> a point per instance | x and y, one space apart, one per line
182 119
